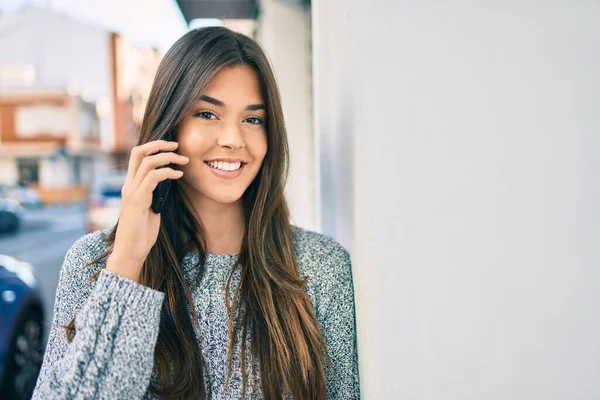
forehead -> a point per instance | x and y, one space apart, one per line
239 85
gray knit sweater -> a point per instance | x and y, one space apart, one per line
117 321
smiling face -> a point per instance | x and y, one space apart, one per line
224 137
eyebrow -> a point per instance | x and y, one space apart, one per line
219 103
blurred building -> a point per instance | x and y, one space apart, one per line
71 101
50 140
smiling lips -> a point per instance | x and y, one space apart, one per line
226 168
224 165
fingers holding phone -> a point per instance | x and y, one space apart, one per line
150 165
159 162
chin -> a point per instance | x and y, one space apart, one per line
224 197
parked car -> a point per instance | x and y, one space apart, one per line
27 196
21 329
11 213
105 204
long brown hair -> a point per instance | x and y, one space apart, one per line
269 304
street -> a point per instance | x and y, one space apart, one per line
43 240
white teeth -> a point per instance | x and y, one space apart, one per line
225 166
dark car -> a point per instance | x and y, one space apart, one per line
10 214
21 329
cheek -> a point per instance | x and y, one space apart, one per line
259 147
192 143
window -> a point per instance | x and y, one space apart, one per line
28 169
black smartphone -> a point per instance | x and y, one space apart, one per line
160 194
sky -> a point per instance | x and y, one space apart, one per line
157 23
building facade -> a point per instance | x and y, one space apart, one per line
71 102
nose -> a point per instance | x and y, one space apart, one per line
231 137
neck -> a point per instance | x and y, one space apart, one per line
224 225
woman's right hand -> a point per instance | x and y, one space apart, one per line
138 226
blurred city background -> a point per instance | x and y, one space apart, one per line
452 147
74 77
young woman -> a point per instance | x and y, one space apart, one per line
217 296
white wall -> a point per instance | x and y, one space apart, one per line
8 170
63 52
466 136
285 34
334 87
57 172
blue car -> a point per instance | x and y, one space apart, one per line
21 329
10 214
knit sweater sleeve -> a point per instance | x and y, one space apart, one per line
116 321
336 312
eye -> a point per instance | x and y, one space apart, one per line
205 115
255 121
